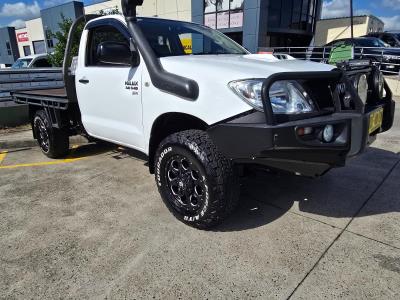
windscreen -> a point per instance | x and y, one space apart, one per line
173 38
21 63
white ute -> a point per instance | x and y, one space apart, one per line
201 115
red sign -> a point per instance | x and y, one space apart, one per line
22 37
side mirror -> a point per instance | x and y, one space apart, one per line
117 53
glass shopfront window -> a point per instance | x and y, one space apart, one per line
292 14
220 14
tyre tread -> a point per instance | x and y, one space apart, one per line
219 169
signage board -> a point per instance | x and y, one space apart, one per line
22 37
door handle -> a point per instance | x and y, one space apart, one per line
84 81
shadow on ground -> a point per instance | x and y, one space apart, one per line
116 152
339 194
265 197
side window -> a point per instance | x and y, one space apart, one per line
100 35
389 40
41 63
186 41
160 44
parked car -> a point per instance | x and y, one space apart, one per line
32 61
203 116
364 48
390 38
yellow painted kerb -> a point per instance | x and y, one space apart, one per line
38 164
47 163
2 156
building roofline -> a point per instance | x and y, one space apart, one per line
32 19
359 16
97 2
47 8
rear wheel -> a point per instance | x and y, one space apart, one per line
196 182
53 142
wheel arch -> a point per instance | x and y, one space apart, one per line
169 123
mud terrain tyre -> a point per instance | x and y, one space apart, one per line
196 182
53 142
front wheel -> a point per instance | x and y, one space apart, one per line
196 182
53 142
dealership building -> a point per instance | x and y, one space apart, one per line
255 24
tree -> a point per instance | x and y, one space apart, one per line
57 57
110 11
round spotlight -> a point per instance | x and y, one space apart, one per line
361 85
328 133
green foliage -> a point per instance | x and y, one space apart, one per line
57 57
112 11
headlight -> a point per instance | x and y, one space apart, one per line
361 86
286 96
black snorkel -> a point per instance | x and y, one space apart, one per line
168 82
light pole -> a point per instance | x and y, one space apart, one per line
351 18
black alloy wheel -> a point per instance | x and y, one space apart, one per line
186 184
196 182
42 135
53 142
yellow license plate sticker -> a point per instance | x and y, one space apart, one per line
375 120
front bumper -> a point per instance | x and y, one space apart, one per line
252 139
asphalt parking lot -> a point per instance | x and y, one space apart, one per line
93 226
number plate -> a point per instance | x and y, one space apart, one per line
375 120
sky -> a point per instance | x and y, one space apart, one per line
15 12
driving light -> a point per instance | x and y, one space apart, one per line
286 96
304 131
328 133
361 86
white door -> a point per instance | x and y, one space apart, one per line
110 94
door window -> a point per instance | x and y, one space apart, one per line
99 35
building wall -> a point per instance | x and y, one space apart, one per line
271 23
168 9
34 29
103 6
332 29
52 16
21 44
375 24
8 54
